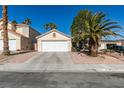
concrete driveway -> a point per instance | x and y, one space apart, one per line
52 58
58 62
41 62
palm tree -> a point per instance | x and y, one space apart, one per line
14 23
50 26
5 31
94 26
27 21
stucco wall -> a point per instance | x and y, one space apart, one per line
33 34
26 44
104 44
29 43
23 30
22 42
50 37
12 36
9 24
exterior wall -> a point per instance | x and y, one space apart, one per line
9 24
39 44
49 37
29 43
23 30
119 43
22 42
1 23
12 36
58 37
122 43
32 36
30 33
25 43
70 45
104 44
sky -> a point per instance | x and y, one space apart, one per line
60 14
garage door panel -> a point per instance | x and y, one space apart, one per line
12 44
54 46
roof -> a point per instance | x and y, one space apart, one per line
53 30
109 40
20 25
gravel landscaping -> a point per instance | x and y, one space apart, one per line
101 59
18 58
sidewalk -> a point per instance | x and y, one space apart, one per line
118 68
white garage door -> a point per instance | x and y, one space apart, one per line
12 44
54 46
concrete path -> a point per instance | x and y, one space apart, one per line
58 62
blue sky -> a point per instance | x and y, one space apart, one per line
61 15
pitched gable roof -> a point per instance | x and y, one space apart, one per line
53 30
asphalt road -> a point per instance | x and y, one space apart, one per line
56 70
61 80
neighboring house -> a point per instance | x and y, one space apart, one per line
21 39
105 43
54 41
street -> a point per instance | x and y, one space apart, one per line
57 70
61 80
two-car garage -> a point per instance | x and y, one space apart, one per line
53 41
54 46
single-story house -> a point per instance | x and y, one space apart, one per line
105 43
54 41
23 38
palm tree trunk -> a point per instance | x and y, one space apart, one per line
93 48
5 31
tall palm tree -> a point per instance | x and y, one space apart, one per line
27 21
14 23
5 31
50 26
94 26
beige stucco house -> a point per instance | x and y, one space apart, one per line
104 43
54 41
21 39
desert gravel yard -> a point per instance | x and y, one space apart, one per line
17 58
5 59
101 59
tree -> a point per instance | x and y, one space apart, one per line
14 23
5 31
93 26
50 26
27 21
